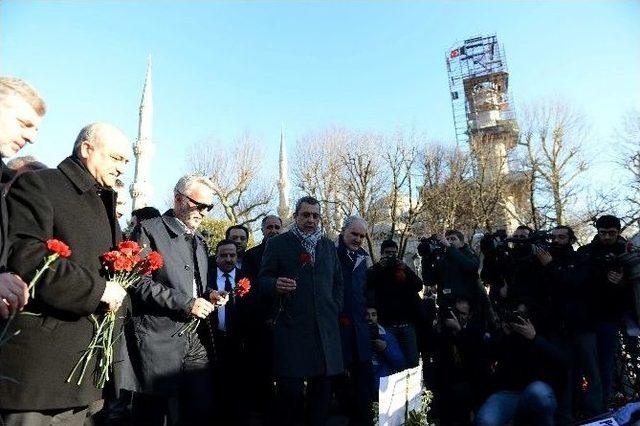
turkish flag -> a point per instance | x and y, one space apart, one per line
454 53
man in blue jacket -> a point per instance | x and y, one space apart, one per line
387 356
356 390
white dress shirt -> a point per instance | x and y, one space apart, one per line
220 281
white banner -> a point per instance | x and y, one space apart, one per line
399 394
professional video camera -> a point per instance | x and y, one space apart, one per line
430 247
540 239
494 243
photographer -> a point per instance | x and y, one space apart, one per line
387 356
611 291
525 375
460 365
570 322
515 273
395 287
455 274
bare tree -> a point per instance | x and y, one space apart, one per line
629 134
406 202
318 171
363 181
236 175
557 133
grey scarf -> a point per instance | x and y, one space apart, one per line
308 241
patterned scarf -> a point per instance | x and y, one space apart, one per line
308 241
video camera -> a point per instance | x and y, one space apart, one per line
430 247
541 239
494 243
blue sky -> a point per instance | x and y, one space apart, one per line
222 68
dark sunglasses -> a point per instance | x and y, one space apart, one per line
198 205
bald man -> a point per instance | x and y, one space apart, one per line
75 203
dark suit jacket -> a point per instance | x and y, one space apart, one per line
306 336
258 303
162 303
65 204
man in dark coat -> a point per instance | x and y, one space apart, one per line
302 268
21 110
231 324
74 203
356 390
259 350
173 367
613 292
394 287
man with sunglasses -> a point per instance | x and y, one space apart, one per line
611 287
301 272
173 366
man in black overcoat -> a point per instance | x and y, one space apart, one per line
302 268
259 328
21 110
74 203
173 368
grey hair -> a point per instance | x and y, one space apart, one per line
26 162
16 86
188 181
351 220
270 216
88 133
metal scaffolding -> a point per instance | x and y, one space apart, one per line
478 86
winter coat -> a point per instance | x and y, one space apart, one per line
306 335
66 204
162 304
354 331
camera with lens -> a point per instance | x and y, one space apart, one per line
430 247
494 243
540 239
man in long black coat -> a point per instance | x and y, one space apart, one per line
73 203
301 266
21 110
259 333
173 369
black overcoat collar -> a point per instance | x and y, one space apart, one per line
79 176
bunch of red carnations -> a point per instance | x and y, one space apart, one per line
125 266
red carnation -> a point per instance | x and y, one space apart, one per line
122 264
110 257
306 258
57 246
243 287
129 248
152 262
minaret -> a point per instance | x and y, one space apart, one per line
283 181
143 148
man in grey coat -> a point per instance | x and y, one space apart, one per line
301 268
173 368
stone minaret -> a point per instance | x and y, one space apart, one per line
283 182
141 189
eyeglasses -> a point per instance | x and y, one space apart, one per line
611 233
198 205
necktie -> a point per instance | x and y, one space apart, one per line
229 306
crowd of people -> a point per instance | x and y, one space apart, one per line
528 334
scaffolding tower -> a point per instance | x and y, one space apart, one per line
479 88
